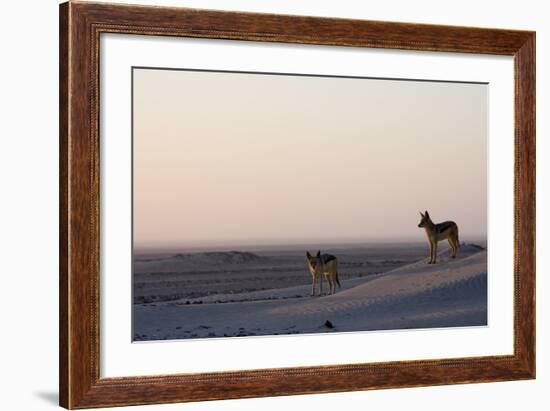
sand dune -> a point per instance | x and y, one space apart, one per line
176 261
417 295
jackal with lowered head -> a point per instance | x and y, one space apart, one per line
323 265
438 232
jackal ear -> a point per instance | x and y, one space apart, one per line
427 215
421 215
318 253
308 255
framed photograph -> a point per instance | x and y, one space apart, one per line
259 205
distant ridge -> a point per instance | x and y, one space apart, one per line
215 257
229 257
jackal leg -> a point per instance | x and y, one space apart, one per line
435 252
452 244
313 285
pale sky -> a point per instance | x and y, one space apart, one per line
233 158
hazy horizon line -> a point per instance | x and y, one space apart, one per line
305 242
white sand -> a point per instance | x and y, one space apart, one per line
450 293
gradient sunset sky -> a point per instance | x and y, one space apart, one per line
233 158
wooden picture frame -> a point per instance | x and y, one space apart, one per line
80 27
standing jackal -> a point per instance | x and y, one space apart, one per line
438 232
323 265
